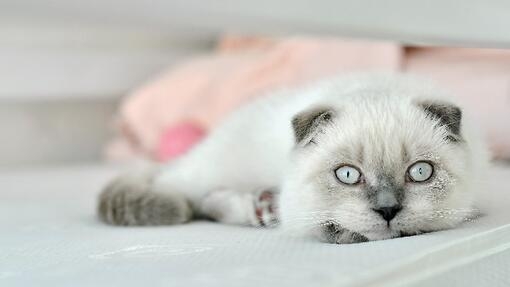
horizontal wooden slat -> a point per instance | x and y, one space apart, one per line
56 74
46 60
467 22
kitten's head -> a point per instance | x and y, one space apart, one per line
381 162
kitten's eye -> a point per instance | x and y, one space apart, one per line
348 174
420 171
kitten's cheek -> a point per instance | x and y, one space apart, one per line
417 203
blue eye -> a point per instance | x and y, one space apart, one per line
420 171
348 174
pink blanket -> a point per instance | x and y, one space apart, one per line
168 115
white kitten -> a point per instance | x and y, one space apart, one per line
348 159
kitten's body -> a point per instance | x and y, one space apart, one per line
377 123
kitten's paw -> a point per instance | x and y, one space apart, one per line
129 201
255 208
265 209
333 233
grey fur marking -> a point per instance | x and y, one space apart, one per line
307 122
333 233
448 114
387 193
126 201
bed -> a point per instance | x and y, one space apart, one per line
51 237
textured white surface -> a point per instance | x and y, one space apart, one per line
51 237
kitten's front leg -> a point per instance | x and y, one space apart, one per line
333 233
255 208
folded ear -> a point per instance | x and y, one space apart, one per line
307 123
448 115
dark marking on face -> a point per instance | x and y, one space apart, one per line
448 114
333 232
404 153
386 193
308 122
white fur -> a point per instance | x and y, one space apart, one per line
255 148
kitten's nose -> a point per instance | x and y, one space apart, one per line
389 212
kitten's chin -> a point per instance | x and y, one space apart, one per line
381 234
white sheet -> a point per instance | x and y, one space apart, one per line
49 236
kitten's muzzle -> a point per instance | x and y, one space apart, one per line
388 212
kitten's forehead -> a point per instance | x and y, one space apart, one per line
383 134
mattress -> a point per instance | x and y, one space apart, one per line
50 236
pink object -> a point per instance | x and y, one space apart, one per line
208 87
178 139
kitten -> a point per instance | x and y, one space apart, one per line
347 160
